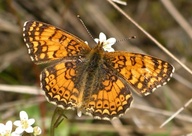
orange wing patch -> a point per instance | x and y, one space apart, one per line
58 83
46 42
145 73
113 98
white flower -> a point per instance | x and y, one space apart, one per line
24 124
5 130
15 134
107 43
36 130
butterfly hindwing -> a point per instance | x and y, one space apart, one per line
57 81
110 98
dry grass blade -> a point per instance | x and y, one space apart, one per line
176 113
10 57
182 80
120 2
21 89
117 124
156 111
178 17
32 101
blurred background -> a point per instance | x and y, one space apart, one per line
19 77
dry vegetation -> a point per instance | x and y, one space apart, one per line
19 77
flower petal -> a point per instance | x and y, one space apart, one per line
8 126
17 123
96 40
23 115
2 126
31 121
111 41
109 49
29 129
19 130
102 37
15 134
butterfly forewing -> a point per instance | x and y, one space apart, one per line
145 73
46 42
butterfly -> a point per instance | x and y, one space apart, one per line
96 81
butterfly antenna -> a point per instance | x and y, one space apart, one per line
84 26
127 38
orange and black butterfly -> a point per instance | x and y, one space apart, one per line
91 80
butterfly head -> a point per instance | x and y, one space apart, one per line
105 43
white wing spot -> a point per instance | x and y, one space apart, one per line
29 51
32 58
27 45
